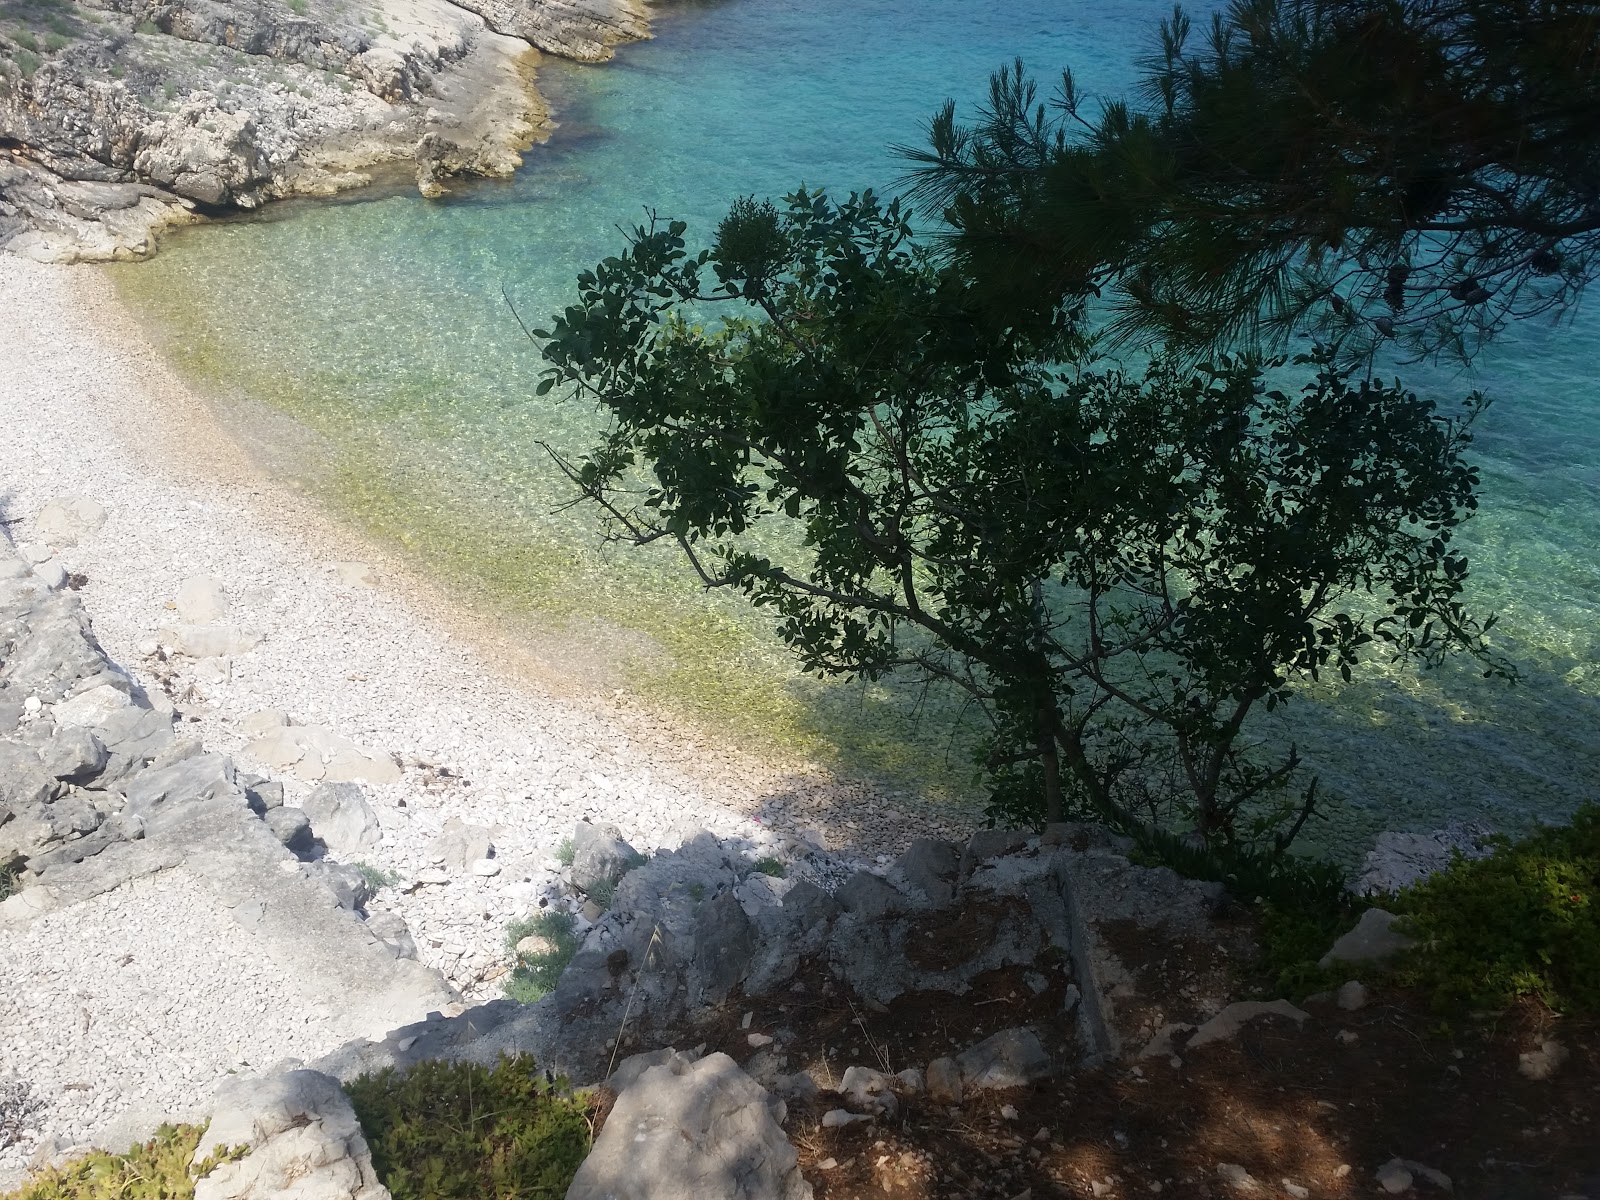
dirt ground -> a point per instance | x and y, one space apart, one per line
1304 1105
1320 1106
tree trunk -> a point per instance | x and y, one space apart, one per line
1049 758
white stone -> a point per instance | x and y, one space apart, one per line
65 521
201 600
52 574
485 868
209 641
1352 996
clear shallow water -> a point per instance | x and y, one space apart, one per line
366 348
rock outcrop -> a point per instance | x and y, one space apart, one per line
119 118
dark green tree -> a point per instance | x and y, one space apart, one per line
1120 569
1405 172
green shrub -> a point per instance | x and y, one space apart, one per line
536 975
1303 903
299 7
376 877
8 879
566 853
56 42
155 1170
461 1131
25 39
1524 921
770 866
147 27
27 63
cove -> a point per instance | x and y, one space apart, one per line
366 348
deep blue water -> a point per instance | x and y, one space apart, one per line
378 326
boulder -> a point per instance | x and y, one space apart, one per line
928 868
631 1069
1010 1058
201 600
600 856
692 1131
314 754
724 945
1374 939
73 754
869 897
342 818
160 795
291 827
869 1091
67 520
459 845
304 1140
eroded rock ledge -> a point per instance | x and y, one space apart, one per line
119 118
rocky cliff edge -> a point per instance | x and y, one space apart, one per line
119 118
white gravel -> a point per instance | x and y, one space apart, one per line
87 408
142 998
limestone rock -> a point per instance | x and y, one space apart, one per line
600 856
392 931
342 818
291 827
1227 1023
929 869
459 845
162 796
201 600
1542 1063
67 520
305 1142
73 754
1374 939
700 1131
348 885
869 1091
869 897
1010 1058
209 640
1352 996
313 754
631 1069
92 708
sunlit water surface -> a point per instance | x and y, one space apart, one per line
366 349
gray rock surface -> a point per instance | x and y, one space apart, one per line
291 827
695 1131
1399 860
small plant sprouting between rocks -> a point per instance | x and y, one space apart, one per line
460 1131
770 866
377 877
8 879
161 1169
537 972
566 853
603 892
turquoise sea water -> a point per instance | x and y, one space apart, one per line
365 347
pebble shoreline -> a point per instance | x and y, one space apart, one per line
90 409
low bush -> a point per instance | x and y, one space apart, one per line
461 1131
8 878
770 866
1302 903
159 1169
376 877
535 975
1523 921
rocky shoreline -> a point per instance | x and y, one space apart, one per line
120 118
